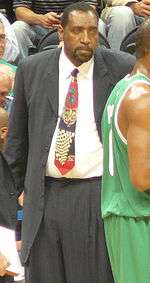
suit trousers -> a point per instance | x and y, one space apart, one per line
70 244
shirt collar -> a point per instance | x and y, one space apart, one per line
67 67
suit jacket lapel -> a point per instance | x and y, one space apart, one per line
102 85
52 80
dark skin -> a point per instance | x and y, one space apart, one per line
134 123
80 36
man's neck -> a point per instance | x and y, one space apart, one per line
142 66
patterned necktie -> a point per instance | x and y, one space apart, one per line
65 140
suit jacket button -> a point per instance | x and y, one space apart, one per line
12 193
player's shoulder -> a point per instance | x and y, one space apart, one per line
136 100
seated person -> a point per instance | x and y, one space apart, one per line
5 87
9 50
36 18
7 76
8 53
122 16
8 196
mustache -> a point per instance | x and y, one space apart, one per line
84 48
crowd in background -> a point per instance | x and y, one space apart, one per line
35 21
32 21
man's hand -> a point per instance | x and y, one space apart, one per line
21 199
53 18
109 3
141 8
49 20
145 5
18 245
137 9
3 265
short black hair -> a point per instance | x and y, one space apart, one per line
79 6
143 39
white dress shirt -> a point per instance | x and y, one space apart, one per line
88 148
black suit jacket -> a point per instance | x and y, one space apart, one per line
8 196
33 120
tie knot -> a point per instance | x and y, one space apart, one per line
74 73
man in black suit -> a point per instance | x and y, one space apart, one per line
63 239
35 18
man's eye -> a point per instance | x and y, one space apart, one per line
93 31
77 30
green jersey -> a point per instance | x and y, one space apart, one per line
119 196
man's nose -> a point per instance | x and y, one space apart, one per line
85 38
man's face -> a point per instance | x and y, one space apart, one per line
3 93
5 87
2 40
80 36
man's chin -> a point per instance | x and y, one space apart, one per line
84 56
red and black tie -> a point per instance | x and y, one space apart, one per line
65 140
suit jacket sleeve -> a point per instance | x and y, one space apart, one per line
16 150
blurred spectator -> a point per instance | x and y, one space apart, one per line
9 52
5 217
8 197
36 18
121 16
9 49
7 75
5 87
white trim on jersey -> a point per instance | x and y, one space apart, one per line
118 106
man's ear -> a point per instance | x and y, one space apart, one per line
3 133
61 33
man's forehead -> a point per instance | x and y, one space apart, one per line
78 17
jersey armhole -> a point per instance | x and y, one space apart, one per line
117 110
